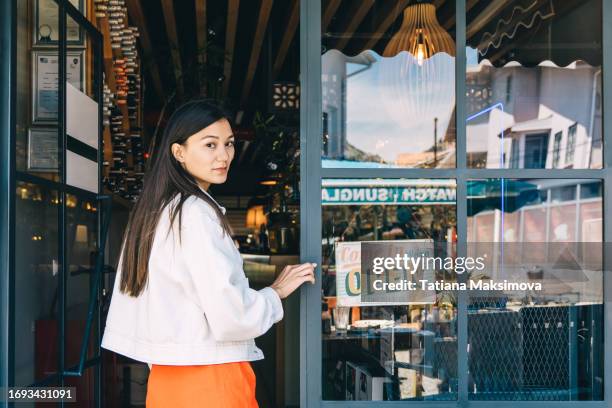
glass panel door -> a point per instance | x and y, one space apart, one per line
386 350
521 148
57 217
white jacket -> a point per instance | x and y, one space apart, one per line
197 307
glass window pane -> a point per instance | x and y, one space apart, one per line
388 84
36 283
564 193
525 342
533 84
36 110
82 133
81 241
590 190
386 351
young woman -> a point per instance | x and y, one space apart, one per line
181 301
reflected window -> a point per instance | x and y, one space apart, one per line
590 190
557 149
536 147
564 193
524 344
571 146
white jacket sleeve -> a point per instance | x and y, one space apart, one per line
234 311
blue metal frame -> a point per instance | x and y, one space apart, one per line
607 157
66 10
312 173
310 200
7 185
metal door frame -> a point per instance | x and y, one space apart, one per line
8 32
311 174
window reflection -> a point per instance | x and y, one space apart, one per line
547 344
36 283
81 241
388 85
36 88
387 352
534 84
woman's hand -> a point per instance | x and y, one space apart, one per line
292 277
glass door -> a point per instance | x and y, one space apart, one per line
58 212
461 131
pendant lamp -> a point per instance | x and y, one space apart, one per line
420 34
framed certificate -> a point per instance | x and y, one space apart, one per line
43 152
46 24
45 79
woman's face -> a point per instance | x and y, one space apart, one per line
207 154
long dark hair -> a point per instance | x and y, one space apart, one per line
164 180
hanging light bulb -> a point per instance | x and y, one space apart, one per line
420 34
420 51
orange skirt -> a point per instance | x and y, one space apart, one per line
226 385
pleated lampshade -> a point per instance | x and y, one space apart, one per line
420 34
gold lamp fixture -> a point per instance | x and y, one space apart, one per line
420 34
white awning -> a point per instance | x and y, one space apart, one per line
532 125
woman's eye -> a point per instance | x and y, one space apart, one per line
230 144
210 145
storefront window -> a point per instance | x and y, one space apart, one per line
36 283
50 322
388 350
527 343
534 76
388 84
81 237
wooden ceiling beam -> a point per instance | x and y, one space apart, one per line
230 39
137 18
329 13
258 39
200 8
390 17
493 8
292 24
170 21
356 17
451 21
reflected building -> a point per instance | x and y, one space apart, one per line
394 111
541 117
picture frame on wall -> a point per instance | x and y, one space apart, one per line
46 24
43 153
45 71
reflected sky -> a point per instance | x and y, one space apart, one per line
391 103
